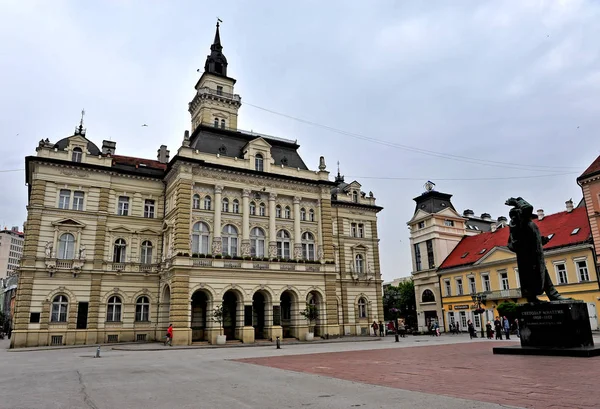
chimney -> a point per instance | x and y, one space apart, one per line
540 214
186 138
569 204
502 221
468 213
108 147
163 154
493 227
486 216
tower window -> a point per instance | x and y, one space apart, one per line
219 90
218 68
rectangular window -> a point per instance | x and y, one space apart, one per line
459 286
219 90
476 320
485 280
361 231
463 319
472 286
78 200
504 280
430 257
123 206
561 273
582 270
283 249
421 225
64 199
353 229
448 288
417 257
449 223
149 209
34 318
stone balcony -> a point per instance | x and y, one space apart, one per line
258 265
503 294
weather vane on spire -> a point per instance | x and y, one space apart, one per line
219 21
79 130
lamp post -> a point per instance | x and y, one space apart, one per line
480 299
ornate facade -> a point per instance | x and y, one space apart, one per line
118 247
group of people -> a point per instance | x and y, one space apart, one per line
395 326
502 325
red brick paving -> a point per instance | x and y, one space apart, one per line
468 371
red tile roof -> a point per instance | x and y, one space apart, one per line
592 169
560 224
132 161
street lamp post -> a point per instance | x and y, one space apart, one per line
480 299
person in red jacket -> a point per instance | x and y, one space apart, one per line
169 335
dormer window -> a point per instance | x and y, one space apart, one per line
77 155
550 236
355 196
259 162
465 255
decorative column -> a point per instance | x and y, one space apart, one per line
319 232
272 228
54 243
245 247
297 231
216 244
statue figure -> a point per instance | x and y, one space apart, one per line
526 241
82 252
48 249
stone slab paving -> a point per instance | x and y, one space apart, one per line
462 370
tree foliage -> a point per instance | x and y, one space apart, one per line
400 302
508 309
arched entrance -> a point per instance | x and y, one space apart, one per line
199 316
315 299
231 301
287 301
259 305
165 307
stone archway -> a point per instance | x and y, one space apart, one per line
200 316
260 314
289 314
165 307
233 314
315 298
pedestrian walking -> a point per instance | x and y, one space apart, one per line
169 336
381 329
498 328
506 327
375 327
517 328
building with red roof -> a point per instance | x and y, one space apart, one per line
483 265
590 186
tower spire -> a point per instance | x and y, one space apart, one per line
217 41
216 63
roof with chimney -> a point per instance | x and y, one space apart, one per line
592 170
564 229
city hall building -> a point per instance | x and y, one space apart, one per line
117 247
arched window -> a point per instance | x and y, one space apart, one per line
359 264
200 236
252 208
146 255
257 242
60 305
142 309
427 296
196 201
119 250
262 211
303 214
259 162
355 196
362 308
308 246
113 309
207 202
283 244
77 155
278 211
216 122
236 206
222 124
311 215
229 240
287 213
225 205
66 247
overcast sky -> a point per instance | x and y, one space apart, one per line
498 82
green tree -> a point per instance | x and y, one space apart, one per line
400 302
508 309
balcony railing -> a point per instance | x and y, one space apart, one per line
64 264
503 294
260 264
211 91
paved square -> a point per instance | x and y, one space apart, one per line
468 371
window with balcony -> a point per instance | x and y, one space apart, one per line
123 206
561 273
207 203
303 214
252 208
200 238
225 205
262 210
229 240
278 211
149 209
66 247
119 251
287 212
257 242
308 246
283 244
146 252
236 206
64 198
582 270
459 286
359 264
504 280
196 201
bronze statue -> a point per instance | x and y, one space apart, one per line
527 242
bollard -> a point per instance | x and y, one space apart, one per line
97 352
396 335
278 343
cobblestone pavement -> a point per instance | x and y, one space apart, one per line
462 370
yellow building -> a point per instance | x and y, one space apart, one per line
482 264
118 247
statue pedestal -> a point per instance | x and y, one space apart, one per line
558 328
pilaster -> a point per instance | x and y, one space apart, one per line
327 227
183 192
23 301
100 242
